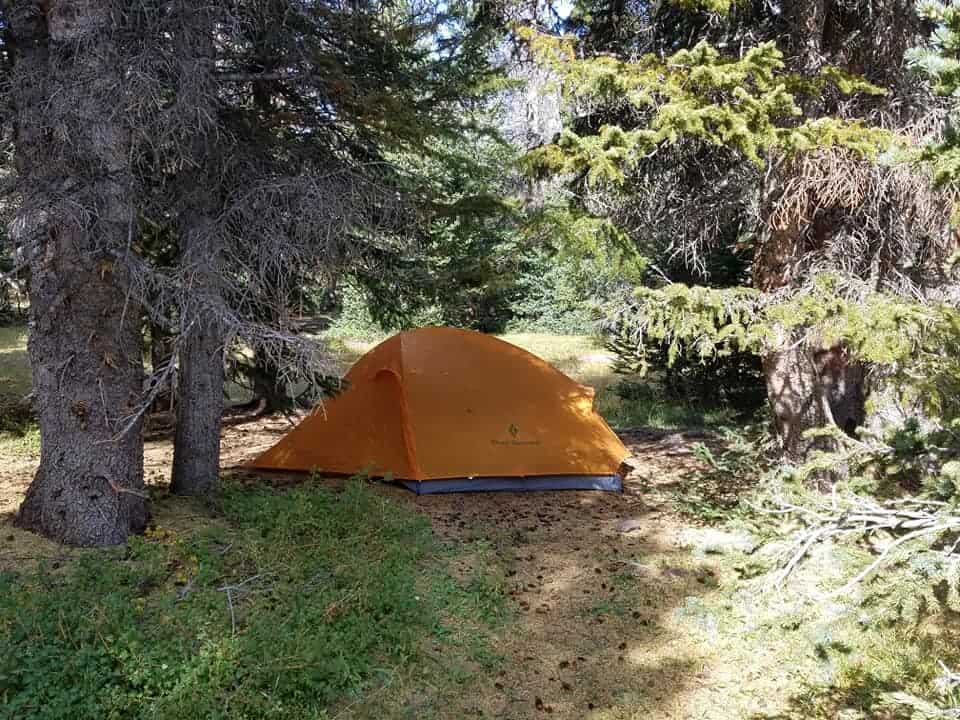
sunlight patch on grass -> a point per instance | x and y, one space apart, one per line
14 363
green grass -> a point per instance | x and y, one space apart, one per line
18 433
286 604
14 364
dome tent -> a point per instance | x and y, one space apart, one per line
447 410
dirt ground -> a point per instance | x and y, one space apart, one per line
607 598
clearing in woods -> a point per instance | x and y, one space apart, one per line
616 607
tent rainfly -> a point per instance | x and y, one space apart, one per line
447 410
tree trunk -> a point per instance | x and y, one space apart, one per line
799 396
196 453
807 22
808 385
75 218
200 386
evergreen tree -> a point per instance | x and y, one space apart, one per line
939 60
760 126
244 148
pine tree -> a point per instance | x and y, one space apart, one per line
759 127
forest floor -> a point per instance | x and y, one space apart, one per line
612 607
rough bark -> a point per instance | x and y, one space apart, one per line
74 219
200 381
798 398
808 385
196 455
808 20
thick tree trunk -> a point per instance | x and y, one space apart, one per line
808 385
75 218
200 386
798 399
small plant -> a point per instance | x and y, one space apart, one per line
304 597
716 492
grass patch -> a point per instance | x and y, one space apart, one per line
626 401
15 379
18 431
894 675
21 441
290 605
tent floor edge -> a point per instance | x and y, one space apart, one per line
606 483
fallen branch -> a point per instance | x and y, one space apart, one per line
229 590
910 519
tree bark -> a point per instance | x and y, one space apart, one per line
808 385
75 219
808 20
799 396
200 387
196 453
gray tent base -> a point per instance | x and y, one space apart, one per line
610 483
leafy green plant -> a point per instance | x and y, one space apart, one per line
302 598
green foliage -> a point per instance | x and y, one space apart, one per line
354 320
16 417
695 321
920 583
577 262
917 343
643 402
483 265
467 258
940 62
305 598
552 297
744 104
590 243
732 467
894 674
718 7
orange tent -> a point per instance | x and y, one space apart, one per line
450 410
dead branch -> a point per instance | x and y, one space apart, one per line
910 520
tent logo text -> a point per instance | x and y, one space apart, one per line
514 430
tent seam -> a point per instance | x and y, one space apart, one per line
409 442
